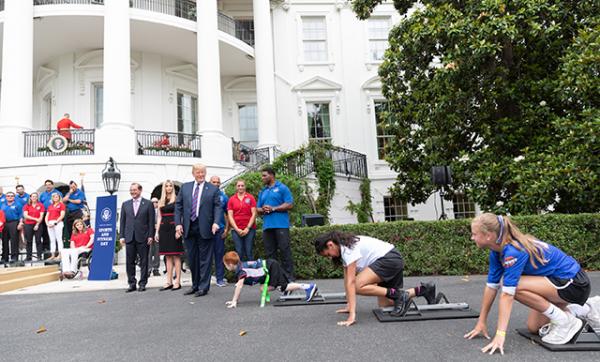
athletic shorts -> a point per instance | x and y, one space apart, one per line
277 276
389 268
576 290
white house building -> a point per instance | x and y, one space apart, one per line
220 78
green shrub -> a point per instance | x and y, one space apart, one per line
444 247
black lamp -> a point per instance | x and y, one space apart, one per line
111 176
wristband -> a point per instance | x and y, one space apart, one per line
501 333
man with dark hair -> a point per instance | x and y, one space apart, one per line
75 202
274 202
137 226
22 197
46 199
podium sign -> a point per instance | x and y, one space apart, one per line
104 238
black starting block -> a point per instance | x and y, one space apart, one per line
441 309
587 339
299 299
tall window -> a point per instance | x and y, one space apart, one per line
383 137
378 37
314 38
319 128
47 111
395 209
187 106
98 104
248 127
464 208
244 30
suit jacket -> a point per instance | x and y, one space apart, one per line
140 226
210 208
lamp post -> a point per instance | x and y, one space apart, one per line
111 176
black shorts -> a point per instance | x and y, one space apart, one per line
277 276
389 268
576 290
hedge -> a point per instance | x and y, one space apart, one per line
445 247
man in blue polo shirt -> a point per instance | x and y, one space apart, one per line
274 202
221 234
46 199
13 212
74 199
22 197
2 196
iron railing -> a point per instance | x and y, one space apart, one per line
173 144
241 29
1 5
346 163
185 9
71 2
251 158
46 143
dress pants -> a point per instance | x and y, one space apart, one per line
132 250
219 252
279 239
200 255
30 233
153 257
10 236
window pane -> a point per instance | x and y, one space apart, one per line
395 209
248 125
315 51
313 28
186 113
383 136
318 121
377 49
464 208
379 28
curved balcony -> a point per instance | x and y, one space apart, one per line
75 142
169 144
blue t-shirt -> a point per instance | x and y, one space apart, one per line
251 271
46 197
512 263
12 212
275 196
77 195
22 199
224 199
2 199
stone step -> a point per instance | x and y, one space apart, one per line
26 277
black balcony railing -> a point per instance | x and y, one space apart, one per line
242 29
171 144
346 163
251 158
1 5
71 2
48 143
185 9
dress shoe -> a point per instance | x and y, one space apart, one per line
130 289
190 292
141 289
200 293
156 273
170 286
176 288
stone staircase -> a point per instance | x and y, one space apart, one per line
17 278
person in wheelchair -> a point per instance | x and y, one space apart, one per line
82 241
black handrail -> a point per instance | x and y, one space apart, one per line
346 163
47 143
185 9
69 2
172 144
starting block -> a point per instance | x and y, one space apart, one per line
587 339
318 299
441 309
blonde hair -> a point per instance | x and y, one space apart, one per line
163 195
198 166
59 197
499 224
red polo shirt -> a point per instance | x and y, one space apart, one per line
33 211
242 209
63 127
81 239
54 211
2 220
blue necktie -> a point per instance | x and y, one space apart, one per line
195 203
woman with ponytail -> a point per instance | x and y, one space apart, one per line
539 275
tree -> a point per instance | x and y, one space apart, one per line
505 92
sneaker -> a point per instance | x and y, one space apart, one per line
221 283
545 329
428 292
401 304
310 292
563 333
593 317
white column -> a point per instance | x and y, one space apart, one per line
216 147
265 70
117 126
16 99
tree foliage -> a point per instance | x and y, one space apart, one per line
505 92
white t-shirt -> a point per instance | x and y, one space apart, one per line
365 251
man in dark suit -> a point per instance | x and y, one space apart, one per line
197 210
137 230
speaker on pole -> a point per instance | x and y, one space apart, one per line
441 175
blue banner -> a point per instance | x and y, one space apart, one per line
104 238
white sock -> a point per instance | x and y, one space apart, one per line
304 285
579 310
556 314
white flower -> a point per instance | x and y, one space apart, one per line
500 204
464 158
520 158
543 103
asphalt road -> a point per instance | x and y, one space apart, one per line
163 326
